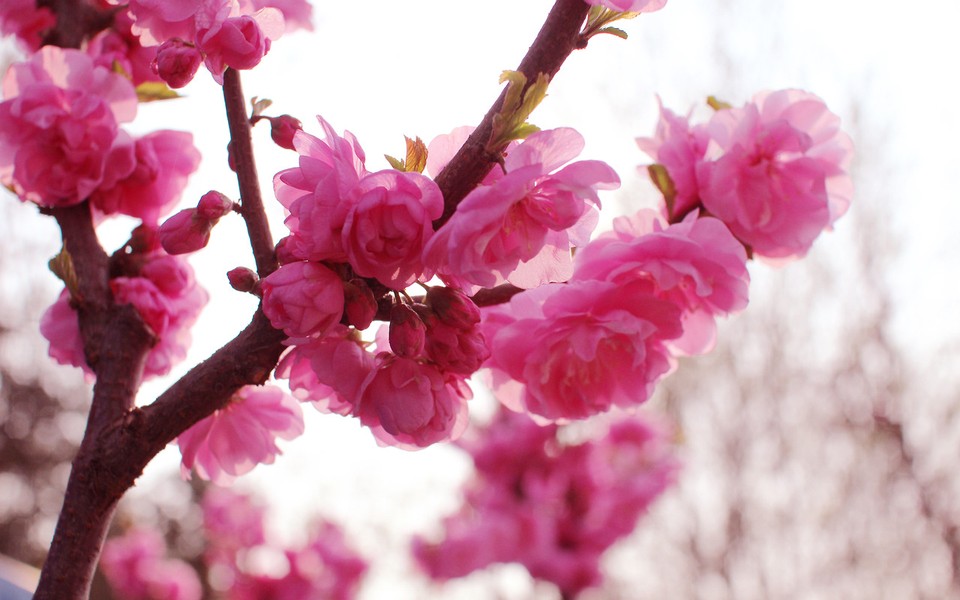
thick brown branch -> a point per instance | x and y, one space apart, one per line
241 149
559 36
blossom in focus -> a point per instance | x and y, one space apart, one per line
241 435
776 171
238 42
136 569
59 125
555 508
642 6
571 351
696 263
303 299
521 228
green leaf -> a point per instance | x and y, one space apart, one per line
396 163
661 178
61 265
518 104
614 31
717 104
151 91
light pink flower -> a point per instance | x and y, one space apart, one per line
572 351
303 299
317 192
297 14
119 47
59 124
243 434
697 264
162 163
641 6
388 224
135 567
411 404
776 171
531 216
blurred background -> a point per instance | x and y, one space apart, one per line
819 439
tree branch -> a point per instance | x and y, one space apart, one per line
559 36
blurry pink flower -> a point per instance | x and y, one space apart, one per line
303 299
678 147
572 351
162 163
642 6
388 224
412 405
316 192
297 14
243 434
59 124
776 172
697 264
177 62
135 567
23 20
232 523
531 215
118 47
59 325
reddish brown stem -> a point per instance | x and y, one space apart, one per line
559 36
241 149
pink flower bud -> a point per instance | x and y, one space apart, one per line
453 307
177 62
282 130
359 303
184 232
285 250
213 205
407 331
243 279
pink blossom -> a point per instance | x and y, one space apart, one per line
407 332
412 405
678 147
444 147
316 192
243 434
185 232
162 163
303 299
530 216
177 62
454 341
776 171
575 350
22 19
297 14
282 130
641 6
239 42
233 523
697 264
119 47
59 325
157 21
360 305
136 569
59 124
388 225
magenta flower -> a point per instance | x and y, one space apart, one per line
303 299
23 20
572 351
388 224
177 62
641 6
530 217
411 404
239 42
776 172
135 567
697 264
59 125
235 439
316 192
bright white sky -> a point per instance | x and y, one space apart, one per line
423 67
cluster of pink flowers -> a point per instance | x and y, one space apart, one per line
136 568
551 507
233 524
775 170
235 439
163 290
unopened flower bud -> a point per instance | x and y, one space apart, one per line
282 130
184 232
284 251
407 332
243 279
453 307
213 205
177 62
360 305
